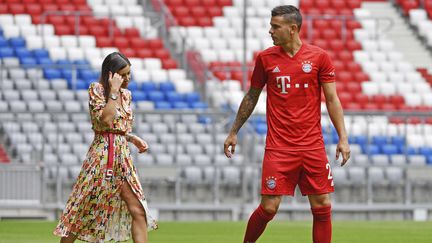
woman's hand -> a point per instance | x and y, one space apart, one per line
115 81
141 145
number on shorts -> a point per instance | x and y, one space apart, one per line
329 171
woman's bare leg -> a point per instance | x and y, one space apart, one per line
139 224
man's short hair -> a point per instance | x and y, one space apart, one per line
289 13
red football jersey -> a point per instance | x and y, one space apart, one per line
293 95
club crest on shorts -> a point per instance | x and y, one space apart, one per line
307 66
271 182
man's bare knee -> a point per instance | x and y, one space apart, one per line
271 204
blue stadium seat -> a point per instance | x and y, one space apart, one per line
204 119
429 160
370 149
17 42
389 149
40 53
407 150
148 86
179 105
86 74
162 105
3 42
44 60
138 95
51 73
192 97
426 151
81 62
132 86
166 87
398 140
198 105
6 52
63 62
156 96
173 96
379 140
66 73
261 128
362 140
28 62
81 84
326 138
23 52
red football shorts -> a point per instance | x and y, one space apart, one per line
283 170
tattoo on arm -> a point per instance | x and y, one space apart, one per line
246 107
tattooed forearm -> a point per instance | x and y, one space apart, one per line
245 110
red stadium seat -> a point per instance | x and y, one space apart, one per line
353 45
198 11
428 120
121 42
345 97
321 24
387 107
84 30
339 65
138 43
353 87
174 2
67 7
162 54
187 21
353 66
129 52
338 4
155 44
344 76
322 4
414 120
98 31
370 107
214 11
329 34
340 87
379 99
181 11
237 75
62 2
345 56
352 106
131 32
4 9
56 19
354 3
83 8
223 3
102 41
144 53
361 77
205 22
12 1
49 7
63 30
25 2
397 100
321 43
313 11
191 3
16 8
46 1
353 24
361 99
208 3
345 12
328 11
169 63
306 4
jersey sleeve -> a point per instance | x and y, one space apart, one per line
259 76
326 71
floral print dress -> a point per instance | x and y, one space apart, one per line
95 212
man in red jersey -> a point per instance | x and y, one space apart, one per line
294 73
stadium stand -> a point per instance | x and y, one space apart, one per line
47 63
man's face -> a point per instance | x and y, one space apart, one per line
281 30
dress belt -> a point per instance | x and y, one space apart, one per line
110 135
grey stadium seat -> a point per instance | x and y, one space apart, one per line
157 148
29 127
196 128
73 138
152 118
53 105
394 175
201 159
4 107
204 138
29 95
36 106
150 138
357 175
23 84
58 84
65 95
16 138
17 73
72 106
380 160
185 138
192 175
188 118
183 159
340 176
164 159
66 127
143 127
417 160
62 148
230 175
47 95
10 95
398 159
68 159
376 175
221 160
193 149
175 148
167 138
159 128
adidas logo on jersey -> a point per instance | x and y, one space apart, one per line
276 70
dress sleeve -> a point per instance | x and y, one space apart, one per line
326 71
259 76
96 100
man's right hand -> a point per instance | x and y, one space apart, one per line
230 141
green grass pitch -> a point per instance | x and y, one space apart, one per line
19 231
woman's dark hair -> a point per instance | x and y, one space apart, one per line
113 63
289 13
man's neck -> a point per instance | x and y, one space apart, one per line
293 47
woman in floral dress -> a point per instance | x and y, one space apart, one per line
107 201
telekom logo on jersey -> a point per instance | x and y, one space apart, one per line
284 83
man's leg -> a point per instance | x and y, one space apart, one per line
321 211
261 216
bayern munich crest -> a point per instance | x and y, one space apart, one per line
307 66
271 182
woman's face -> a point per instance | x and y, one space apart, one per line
126 74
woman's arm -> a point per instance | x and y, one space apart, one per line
109 111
